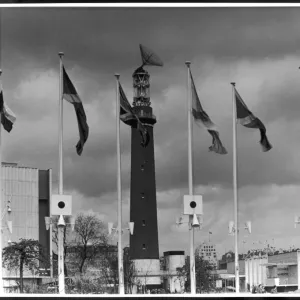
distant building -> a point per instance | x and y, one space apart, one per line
207 251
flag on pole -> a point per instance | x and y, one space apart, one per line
246 118
126 110
201 118
70 94
8 118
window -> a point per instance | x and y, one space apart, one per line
143 223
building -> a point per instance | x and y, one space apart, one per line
25 202
226 271
207 251
172 282
255 269
144 249
274 268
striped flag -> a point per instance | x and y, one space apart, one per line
8 118
70 94
126 110
246 118
202 118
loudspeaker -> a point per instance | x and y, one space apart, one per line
61 221
192 204
61 205
231 228
195 222
131 227
72 223
110 227
297 221
248 226
9 225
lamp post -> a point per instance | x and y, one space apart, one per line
115 230
193 207
232 230
60 251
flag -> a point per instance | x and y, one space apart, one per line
201 117
149 57
8 118
70 94
126 110
246 118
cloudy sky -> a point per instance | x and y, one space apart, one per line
258 48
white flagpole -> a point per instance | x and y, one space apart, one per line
60 122
1 197
235 192
120 253
190 167
61 273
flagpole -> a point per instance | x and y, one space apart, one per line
60 229
60 122
1 198
120 254
235 191
190 170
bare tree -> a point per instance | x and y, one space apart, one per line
88 238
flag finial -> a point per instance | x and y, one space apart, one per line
233 83
61 54
188 63
117 76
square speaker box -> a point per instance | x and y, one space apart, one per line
192 204
61 205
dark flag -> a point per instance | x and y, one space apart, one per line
247 119
126 110
70 94
8 118
202 118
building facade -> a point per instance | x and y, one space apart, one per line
207 251
274 269
171 281
25 202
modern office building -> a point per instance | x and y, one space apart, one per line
25 201
207 251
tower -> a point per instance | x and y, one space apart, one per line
143 208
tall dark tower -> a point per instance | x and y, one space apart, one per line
143 209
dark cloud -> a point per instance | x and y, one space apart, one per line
101 41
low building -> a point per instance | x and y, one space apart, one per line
274 269
172 282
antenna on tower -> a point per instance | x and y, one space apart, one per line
149 58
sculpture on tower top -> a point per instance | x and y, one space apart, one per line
141 77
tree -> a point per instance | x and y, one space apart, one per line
88 238
26 253
203 270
